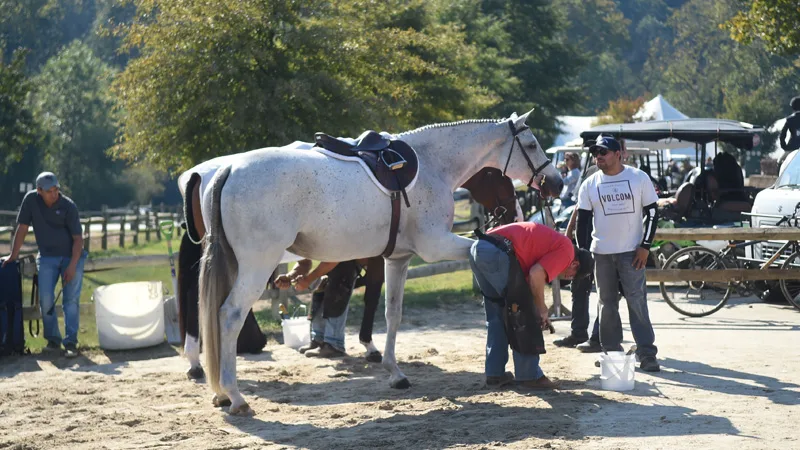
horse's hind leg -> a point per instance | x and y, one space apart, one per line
250 283
396 272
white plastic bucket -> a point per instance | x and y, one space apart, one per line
617 371
172 325
296 332
129 315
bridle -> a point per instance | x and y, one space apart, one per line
534 170
501 209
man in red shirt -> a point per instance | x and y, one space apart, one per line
542 254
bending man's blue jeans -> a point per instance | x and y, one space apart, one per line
51 268
490 267
612 272
330 330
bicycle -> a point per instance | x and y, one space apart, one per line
702 298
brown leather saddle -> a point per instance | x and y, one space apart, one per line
393 162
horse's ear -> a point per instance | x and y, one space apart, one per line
519 122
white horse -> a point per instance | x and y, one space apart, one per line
272 200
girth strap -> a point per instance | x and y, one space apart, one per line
393 227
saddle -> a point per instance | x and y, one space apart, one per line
393 163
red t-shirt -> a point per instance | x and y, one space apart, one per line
538 244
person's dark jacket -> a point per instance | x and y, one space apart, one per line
792 128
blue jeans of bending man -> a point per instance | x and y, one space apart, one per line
490 267
330 330
613 272
51 268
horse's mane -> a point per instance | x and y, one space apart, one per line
450 124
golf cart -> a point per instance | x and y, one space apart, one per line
712 197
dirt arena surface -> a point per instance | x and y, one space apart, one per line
731 380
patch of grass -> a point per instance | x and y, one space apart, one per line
87 336
430 292
153 247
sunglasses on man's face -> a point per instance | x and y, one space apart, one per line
600 151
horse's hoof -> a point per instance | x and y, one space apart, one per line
196 373
220 401
403 383
243 410
375 357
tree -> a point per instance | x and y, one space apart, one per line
600 32
17 127
215 79
72 103
776 22
541 58
620 111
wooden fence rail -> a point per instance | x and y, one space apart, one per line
117 226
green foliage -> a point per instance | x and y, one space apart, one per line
72 104
776 22
17 127
42 26
620 111
706 74
223 78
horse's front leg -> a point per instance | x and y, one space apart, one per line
444 246
396 272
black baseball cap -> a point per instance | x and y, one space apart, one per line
606 142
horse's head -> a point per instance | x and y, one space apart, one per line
524 159
496 193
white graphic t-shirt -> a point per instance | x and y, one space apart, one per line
617 202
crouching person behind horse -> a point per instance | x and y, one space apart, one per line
329 303
512 264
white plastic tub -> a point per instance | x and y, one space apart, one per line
617 371
296 332
129 315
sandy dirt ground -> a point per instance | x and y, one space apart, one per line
728 381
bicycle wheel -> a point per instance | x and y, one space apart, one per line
791 288
696 298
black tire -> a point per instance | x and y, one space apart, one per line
791 288
696 257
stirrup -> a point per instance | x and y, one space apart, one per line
399 164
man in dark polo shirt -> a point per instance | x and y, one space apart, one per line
57 229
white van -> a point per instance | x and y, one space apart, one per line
776 201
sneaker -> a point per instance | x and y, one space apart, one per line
569 341
52 347
590 346
650 364
311 346
542 383
502 380
325 351
71 350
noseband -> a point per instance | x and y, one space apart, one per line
534 170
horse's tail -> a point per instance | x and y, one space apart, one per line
218 270
188 277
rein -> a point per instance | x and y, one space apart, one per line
534 170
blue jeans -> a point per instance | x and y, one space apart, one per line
51 268
330 330
490 267
612 272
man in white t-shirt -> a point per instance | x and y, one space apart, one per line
620 202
